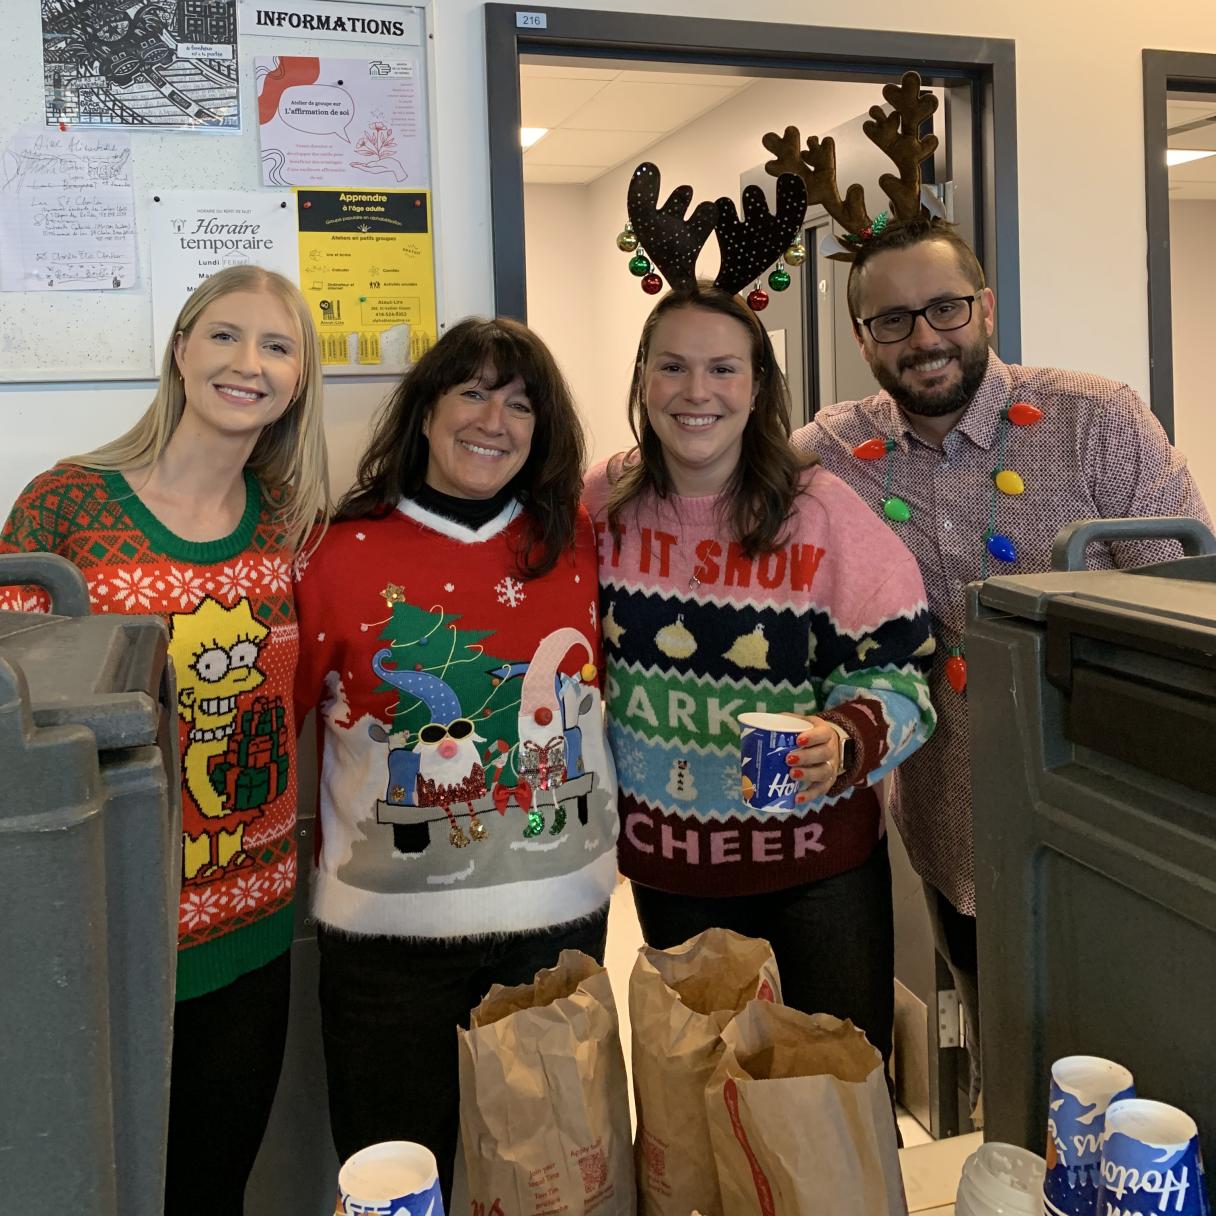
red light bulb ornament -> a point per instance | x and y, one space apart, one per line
956 670
757 299
873 449
652 284
1022 413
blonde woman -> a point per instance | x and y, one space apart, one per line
195 514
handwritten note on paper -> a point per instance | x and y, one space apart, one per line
67 213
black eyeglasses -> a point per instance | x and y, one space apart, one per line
943 315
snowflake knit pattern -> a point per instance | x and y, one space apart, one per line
466 786
833 622
233 641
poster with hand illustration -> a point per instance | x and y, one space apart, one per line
342 122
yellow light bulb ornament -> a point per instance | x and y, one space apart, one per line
1009 482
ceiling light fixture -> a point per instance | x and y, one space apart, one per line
1181 156
529 135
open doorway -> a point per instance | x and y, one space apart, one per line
557 209
1180 181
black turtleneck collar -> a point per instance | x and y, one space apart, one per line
471 512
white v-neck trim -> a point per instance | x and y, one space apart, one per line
457 531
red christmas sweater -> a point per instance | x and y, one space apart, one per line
233 641
466 786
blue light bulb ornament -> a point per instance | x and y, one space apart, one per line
1001 547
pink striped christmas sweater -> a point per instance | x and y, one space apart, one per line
833 622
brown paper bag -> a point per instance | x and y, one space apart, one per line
544 1108
679 1001
800 1119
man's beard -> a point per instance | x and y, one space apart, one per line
973 364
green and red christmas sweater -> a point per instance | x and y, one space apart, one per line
832 622
233 639
466 787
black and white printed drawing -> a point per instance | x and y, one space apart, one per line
158 63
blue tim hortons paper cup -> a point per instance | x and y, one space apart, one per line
1150 1162
1082 1087
396 1178
764 742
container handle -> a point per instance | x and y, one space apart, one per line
57 576
1068 548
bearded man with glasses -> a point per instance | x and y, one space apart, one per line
977 464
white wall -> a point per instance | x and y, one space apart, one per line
562 291
1081 189
1193 277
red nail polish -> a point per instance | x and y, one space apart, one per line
796 773
800 797
803 740
789 758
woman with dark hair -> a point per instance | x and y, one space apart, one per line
467 805
736 576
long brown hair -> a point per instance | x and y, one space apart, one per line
550 481
760 494
289 459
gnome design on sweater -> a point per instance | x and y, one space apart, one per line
446 766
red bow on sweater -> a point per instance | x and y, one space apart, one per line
522 792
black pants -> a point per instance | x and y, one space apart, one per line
389 1011
954 937
227 1055
834 940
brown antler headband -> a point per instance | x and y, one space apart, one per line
671 242
897 134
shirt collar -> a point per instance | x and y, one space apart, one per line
983 415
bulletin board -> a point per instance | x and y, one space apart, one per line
100 335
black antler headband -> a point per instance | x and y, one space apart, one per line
671 242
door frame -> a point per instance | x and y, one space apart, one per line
1164 72
759 47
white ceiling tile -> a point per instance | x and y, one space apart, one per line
560 175
557 71
713 79
1188 191
548 101
639 106
1200 137
569 146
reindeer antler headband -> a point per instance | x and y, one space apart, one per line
671 242
898 135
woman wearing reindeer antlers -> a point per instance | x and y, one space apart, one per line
738 578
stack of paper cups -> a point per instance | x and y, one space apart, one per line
1082 1087
1150 1162
1001 1180
396 1178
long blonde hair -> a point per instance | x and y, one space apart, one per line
289 459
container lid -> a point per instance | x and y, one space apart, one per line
102 672
1187 601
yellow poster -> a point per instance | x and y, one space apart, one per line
367 270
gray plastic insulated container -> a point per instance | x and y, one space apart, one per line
1092 699
90 865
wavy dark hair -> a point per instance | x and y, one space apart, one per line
905 235
550 482
760 494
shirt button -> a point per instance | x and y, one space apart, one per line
946 525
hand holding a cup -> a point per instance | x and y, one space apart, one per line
817 761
